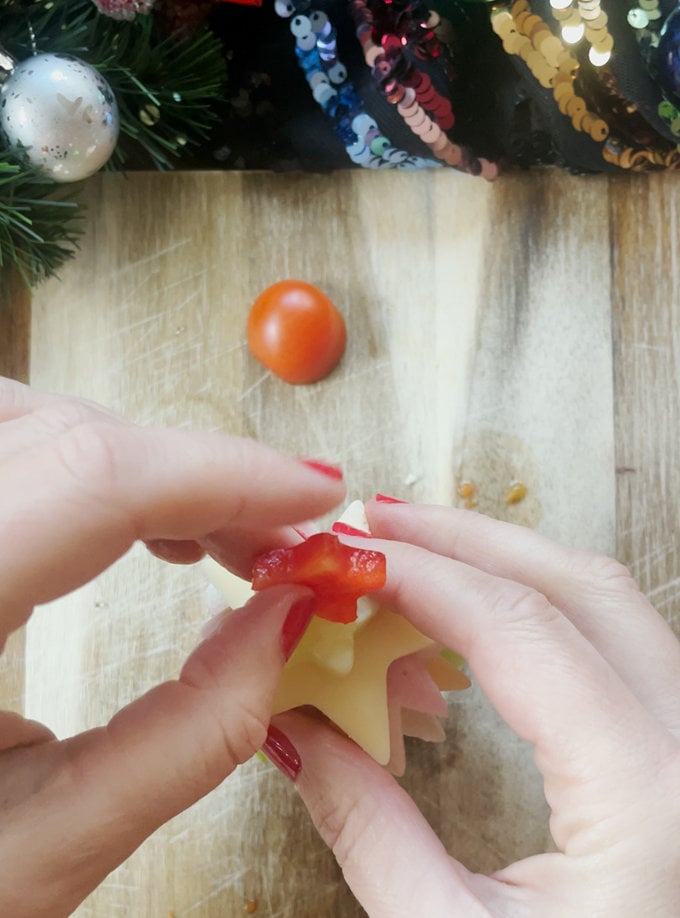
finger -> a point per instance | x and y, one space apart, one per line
176 551
16 399
154 759
75 504
233 548
16 730
544 678
236 547
49 417
596 594
390 857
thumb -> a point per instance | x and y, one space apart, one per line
390 857
115 785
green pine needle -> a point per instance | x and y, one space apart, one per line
39 229
165 87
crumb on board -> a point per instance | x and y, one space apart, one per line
515 493
467 491
250 906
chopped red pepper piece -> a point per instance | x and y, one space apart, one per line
336 573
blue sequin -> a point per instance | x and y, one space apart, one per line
340 101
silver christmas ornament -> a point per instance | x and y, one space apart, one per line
61 112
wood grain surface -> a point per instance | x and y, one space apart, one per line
522 330
646 322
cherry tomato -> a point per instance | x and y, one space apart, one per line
336 573
296 331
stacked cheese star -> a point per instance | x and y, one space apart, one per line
376 678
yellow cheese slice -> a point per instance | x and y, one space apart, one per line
342 669
355 702
329 644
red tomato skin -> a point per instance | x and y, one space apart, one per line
336 573
296 331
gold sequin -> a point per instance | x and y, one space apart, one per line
580 19
553 65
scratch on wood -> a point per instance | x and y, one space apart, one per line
649 558
343 379
663 587
132 326
130 265
225 884
188 299
186 279
253 386
650 347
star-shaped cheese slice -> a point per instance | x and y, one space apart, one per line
357 701
329 644
341 669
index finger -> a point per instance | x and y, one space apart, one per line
17 399
597 594
74 504
541 674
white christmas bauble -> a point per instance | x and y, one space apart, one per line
62 112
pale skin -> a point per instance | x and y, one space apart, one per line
562 642
77 487
578 663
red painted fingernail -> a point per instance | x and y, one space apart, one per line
330 471
344 529
386 499
282 753
295 624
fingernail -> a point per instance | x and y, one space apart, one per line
295 624
282 753
330 471
344 529
386 499
176 551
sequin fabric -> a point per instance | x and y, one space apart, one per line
589 85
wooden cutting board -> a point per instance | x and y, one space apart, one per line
496 332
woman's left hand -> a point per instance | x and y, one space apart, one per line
79 485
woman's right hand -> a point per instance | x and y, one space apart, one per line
578 662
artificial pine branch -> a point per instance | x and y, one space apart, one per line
165 89
164 85
38 230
